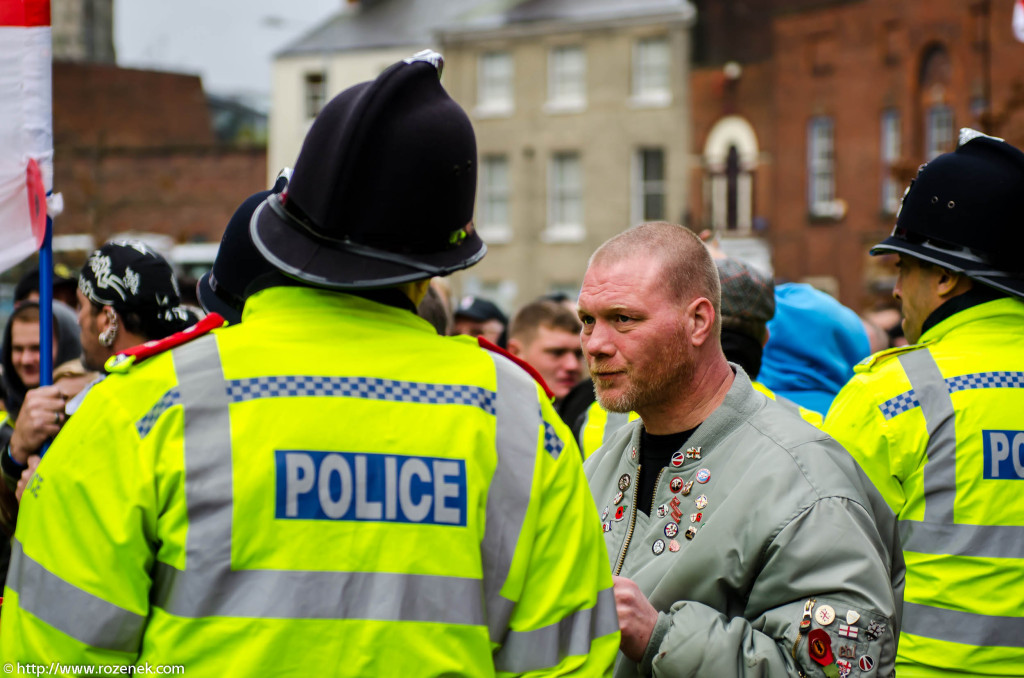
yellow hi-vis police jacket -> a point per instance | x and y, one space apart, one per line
326 489
939 429
599 424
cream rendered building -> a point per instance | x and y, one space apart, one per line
354 45
581 109
582 115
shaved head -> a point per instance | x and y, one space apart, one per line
686 265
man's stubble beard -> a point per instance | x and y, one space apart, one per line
653 389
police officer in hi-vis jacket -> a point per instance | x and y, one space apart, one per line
938 425
327 488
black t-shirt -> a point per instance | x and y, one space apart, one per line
655 454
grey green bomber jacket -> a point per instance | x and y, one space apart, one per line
787 531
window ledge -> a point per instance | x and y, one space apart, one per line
495 235
495 110
565 107
651 100
563 233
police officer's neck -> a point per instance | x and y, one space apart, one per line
974 295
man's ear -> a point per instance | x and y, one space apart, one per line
700 315
515 347
951 283
106 316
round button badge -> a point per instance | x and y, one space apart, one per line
703 476
825 615
671 530
701 502
624 481
658 547
675 484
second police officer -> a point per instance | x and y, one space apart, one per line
939 425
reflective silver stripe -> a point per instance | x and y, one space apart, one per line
208 472
518 422
615 421
937 408
546 647
81 615
980 541
290 594
962 627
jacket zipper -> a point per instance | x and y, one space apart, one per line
632 515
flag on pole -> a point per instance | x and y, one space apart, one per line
26 127
1018 20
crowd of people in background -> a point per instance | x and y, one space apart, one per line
778 485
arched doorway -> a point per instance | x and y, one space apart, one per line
730 160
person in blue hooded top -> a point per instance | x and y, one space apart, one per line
813 344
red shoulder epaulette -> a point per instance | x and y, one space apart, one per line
490 346
136 354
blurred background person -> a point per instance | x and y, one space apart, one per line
34 413
65 284
127 295
813 344
478 317
546 334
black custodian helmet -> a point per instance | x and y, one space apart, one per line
965 212
383 189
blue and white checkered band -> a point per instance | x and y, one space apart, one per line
552 443
240 390
907 401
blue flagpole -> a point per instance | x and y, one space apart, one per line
46 306
46 312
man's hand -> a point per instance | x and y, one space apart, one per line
26 476
637 618
41 417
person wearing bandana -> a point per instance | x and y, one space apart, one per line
127 295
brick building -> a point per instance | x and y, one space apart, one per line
844 99
135 151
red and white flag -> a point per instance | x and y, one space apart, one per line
26 127
1018 20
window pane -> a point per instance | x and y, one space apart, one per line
890 154
495 86
654 165
567 75
316 94
938 131
566 190
821 178
654 207
650 73
494 191
652 184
